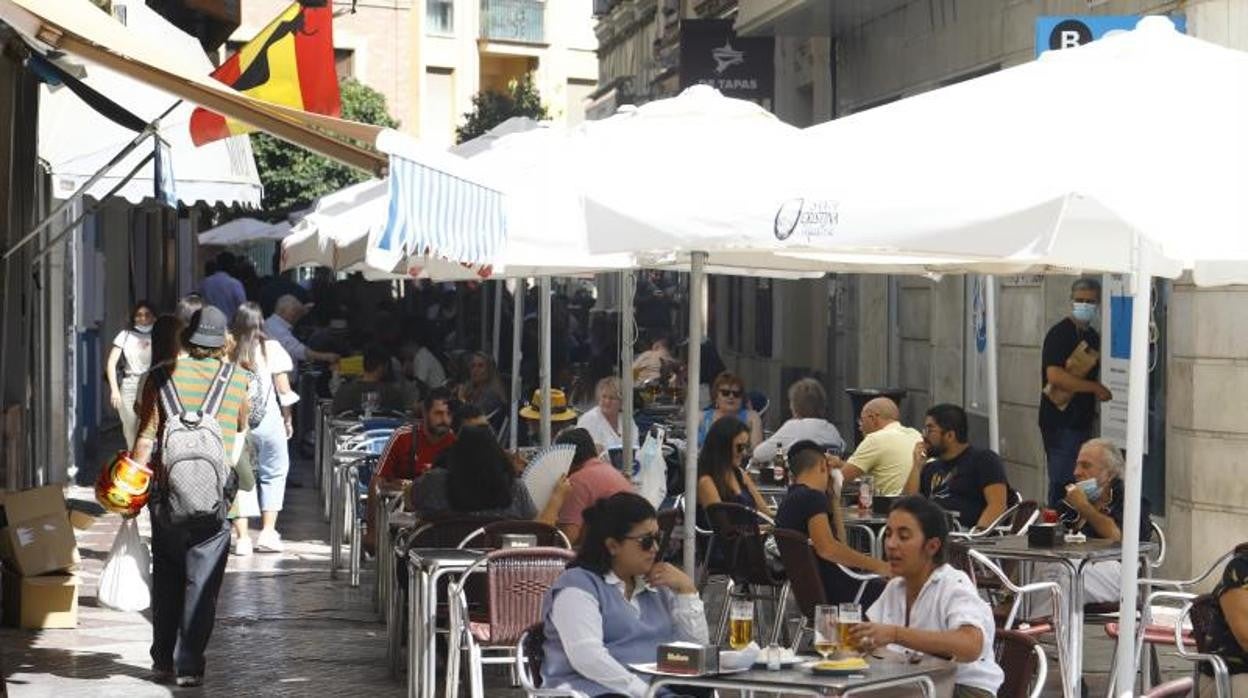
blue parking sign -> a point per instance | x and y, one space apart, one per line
1056 33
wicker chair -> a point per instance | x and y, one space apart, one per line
516 582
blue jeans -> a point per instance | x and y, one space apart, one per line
272 459
1061 448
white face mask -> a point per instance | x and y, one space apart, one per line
143 329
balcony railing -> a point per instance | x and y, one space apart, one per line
514 20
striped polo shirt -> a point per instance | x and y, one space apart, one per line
192 377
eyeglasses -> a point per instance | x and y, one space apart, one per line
725 392
647 541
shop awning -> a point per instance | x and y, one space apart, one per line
80 28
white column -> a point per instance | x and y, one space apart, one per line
517 329
543 320
697 289
628 335
1137 413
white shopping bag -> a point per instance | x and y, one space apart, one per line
652 475
125 583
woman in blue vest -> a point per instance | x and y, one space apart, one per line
614 605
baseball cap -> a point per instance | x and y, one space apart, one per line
208 328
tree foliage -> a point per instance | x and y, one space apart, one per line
490 108
293 177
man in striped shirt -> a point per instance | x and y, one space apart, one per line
188 561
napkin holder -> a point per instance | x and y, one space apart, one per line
1042 535
688 659
510 541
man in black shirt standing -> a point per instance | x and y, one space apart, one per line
959 477
1070 391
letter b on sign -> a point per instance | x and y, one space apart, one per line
1069 33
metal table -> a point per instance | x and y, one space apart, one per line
426 567
886 671
1074 557
393 595
872 526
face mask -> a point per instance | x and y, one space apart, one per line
143 329
1091 488
1083 312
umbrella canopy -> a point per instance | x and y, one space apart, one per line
334 233
244 230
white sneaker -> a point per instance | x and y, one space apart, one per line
242 546
269 542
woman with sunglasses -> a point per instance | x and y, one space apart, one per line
614 604
721 472
728 400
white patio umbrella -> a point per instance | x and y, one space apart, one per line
243 230
1005 170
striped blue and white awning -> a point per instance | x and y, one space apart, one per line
439 207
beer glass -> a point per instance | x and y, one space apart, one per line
850 614
740 623
827 639
371 402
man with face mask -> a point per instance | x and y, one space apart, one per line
1070 385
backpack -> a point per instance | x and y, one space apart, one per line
195 478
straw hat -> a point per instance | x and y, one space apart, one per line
559 410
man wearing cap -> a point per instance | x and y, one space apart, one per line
280 326
810 508
188 561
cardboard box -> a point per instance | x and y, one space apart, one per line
41 602
38 538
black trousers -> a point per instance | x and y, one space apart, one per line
188 564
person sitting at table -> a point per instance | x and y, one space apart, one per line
479 480
390 395
721 472
410 452
483 388
959 477
808 402
928 606
590 479
650 364
1094 506
603 422
886 452
1227 635
728 396
810 509
615 603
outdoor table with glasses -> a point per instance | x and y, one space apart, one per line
1074 557
886 669
427 567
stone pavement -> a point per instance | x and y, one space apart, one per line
284 629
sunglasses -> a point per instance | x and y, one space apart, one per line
647 541
725 392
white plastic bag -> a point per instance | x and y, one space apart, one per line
125 583
652 475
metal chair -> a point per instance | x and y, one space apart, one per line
530 653
1172 689
359 477
669 521
805 581
1204 612
516 582
343 497
744 565
1024 663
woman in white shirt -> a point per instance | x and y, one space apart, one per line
132 353
270 363
928 606
603 422
615 604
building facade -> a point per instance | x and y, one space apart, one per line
429 57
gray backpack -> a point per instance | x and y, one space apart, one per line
196 471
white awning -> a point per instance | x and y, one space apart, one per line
77 142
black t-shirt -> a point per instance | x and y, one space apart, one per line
1218 636
958 485
794 514
1115 509
1059 344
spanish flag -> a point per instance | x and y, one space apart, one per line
290 62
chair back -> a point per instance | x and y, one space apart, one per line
1172 689
518 579
668 519
1207 622
739 546
490 536
447 532
802 567
530 653
1025 514
1016 655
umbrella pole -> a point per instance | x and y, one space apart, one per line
495 337
994 408
697 287
1137 413
517 327
628 331
544 355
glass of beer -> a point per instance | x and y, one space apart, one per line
850 614
740 623
827 638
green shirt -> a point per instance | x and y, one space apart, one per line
192 378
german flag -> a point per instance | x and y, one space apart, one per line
290 62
